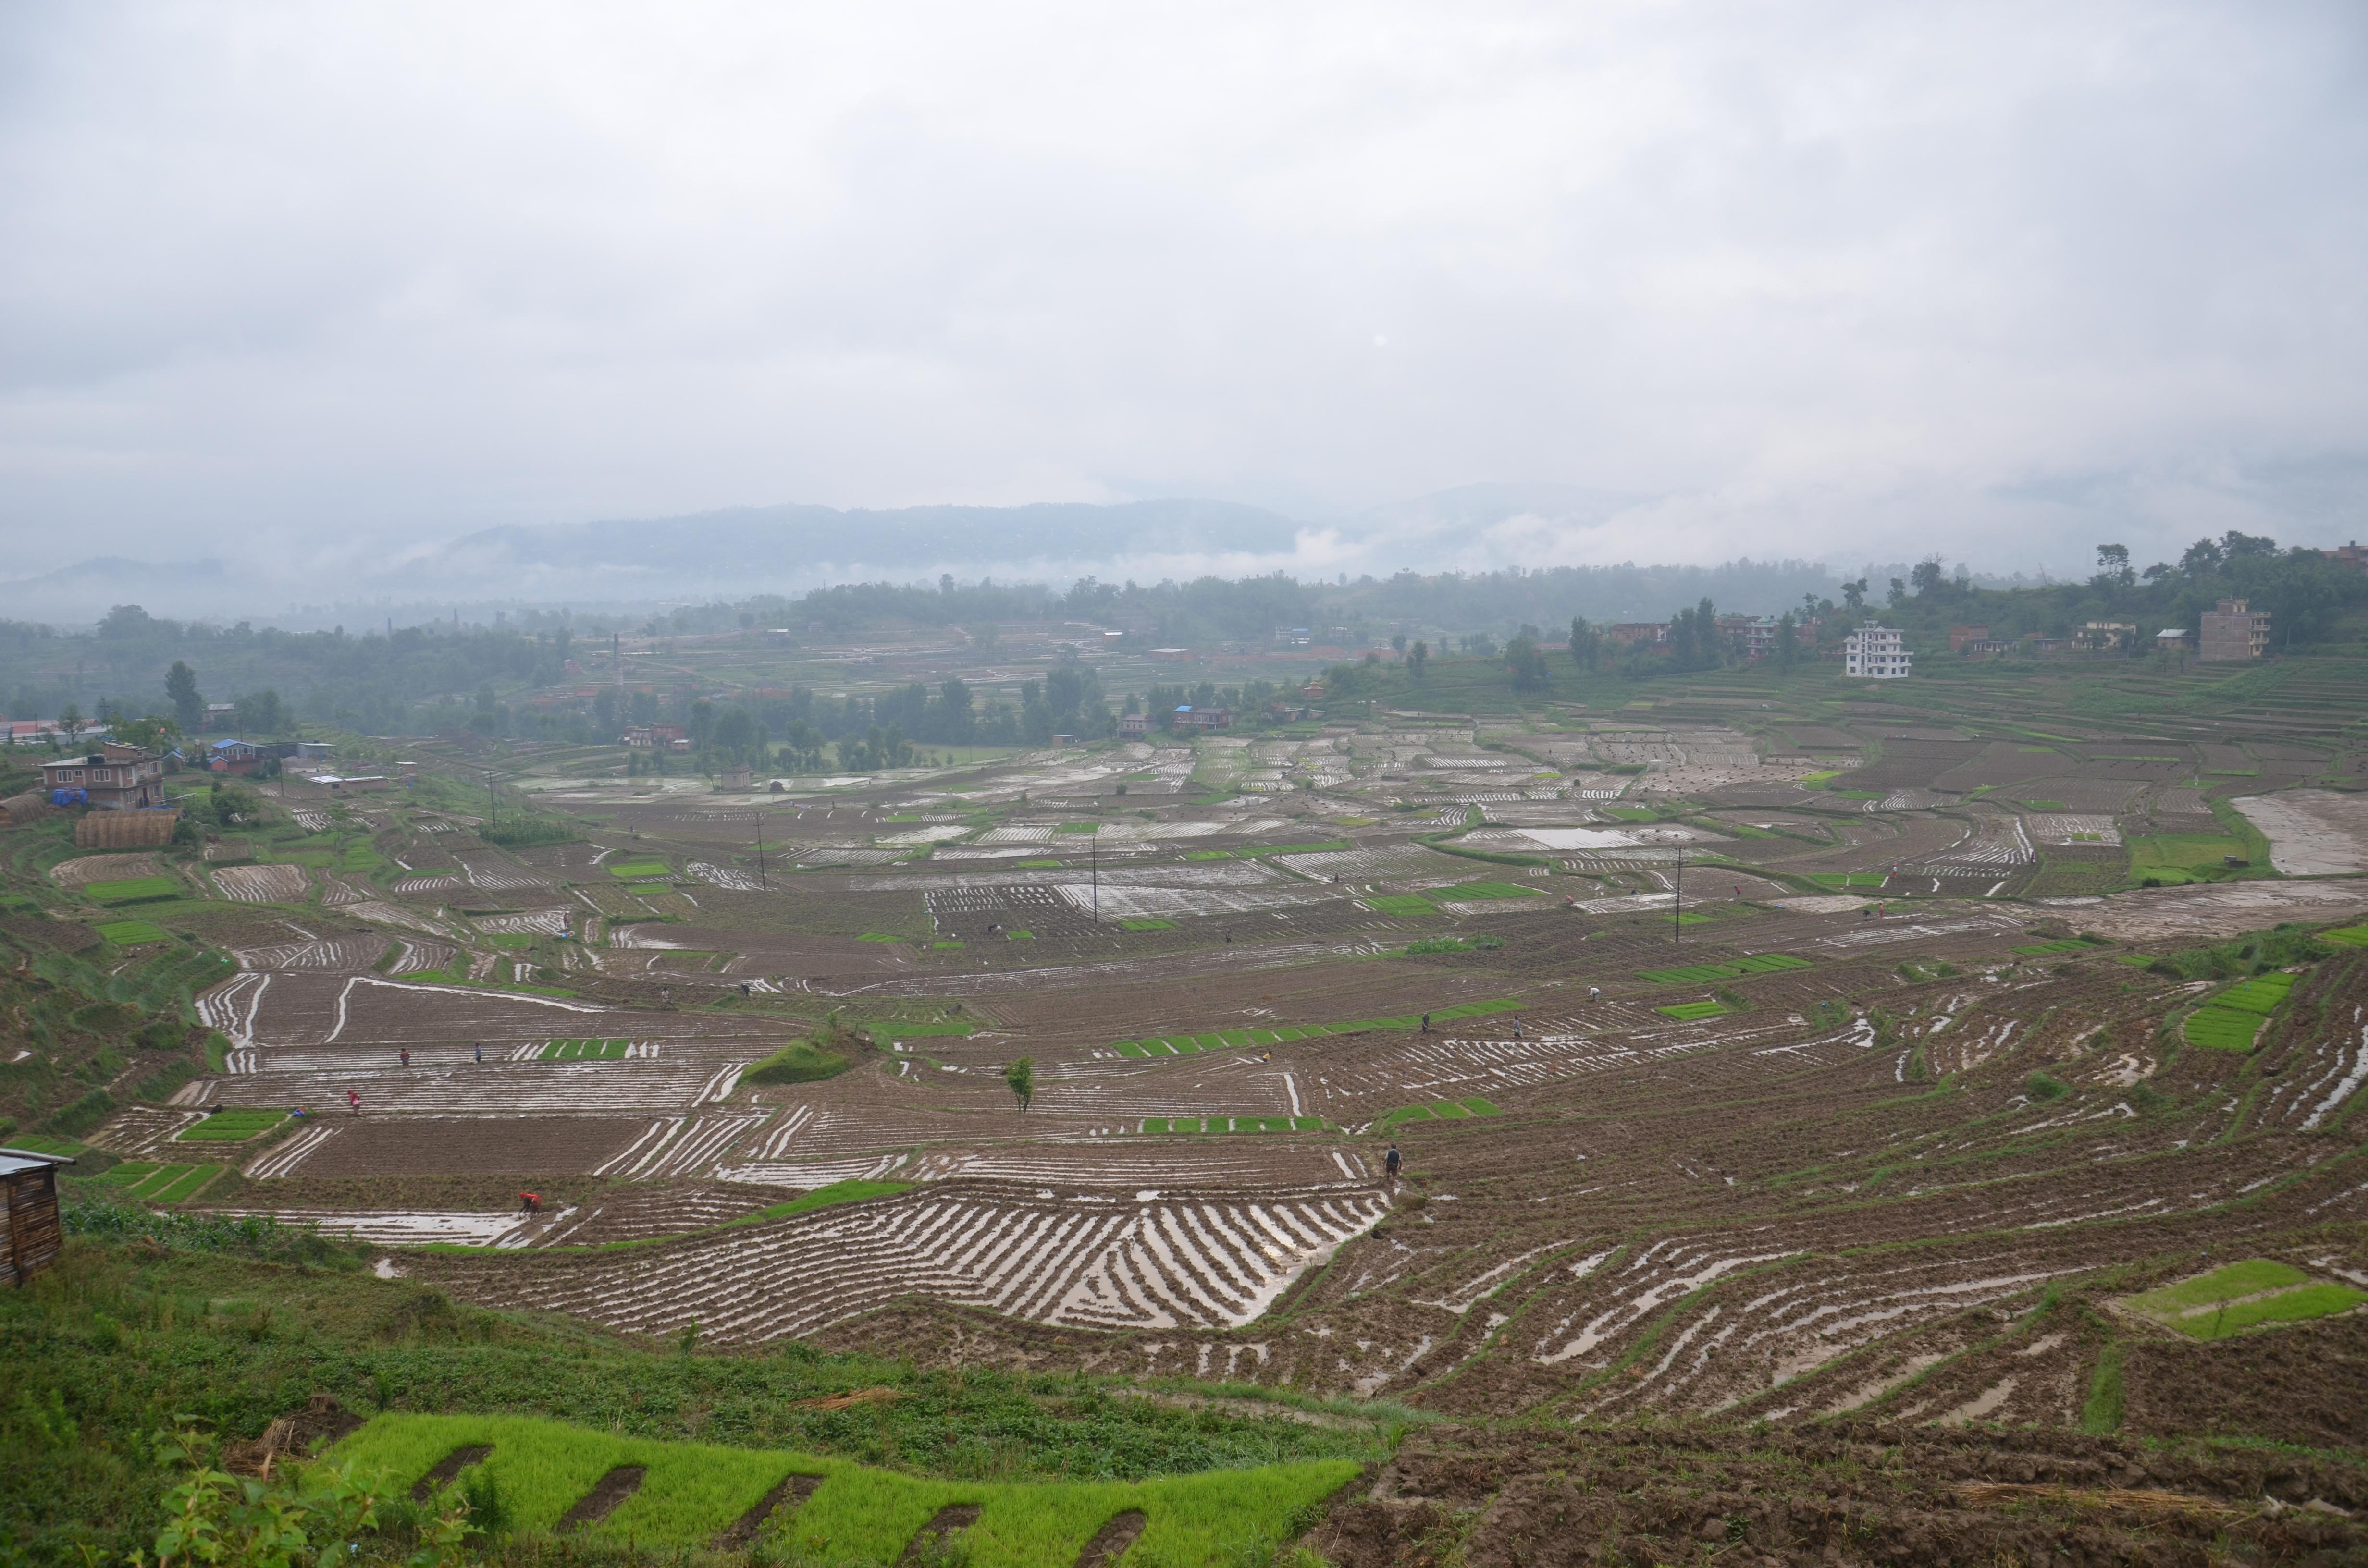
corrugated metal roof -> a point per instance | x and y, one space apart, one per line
16 1162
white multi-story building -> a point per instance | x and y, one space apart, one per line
1872 653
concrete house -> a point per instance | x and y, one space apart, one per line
115 778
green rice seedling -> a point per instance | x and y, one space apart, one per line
1406 905
2260 994
1490 890
135 889
2223 1029
231 1125
130 933
187 1185
641 869
2240 1296
1689 1012
2347 936
1148 925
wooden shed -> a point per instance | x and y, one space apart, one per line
30 1232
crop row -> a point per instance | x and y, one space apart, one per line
1154 1264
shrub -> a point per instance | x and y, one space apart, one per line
800 1062
83 1114
527 834
2040 1086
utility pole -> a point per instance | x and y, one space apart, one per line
759 818
1094 840
491 799
1677 899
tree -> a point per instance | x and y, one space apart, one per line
153 732
1788 641
189 702
71 720
1854 594
1585 643
1527 662
1417 657
1020 1078
1898 593
1926 576
2113 568
1397 642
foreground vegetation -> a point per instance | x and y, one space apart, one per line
226 1326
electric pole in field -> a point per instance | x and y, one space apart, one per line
493 799
757 817
1677 899
1094 840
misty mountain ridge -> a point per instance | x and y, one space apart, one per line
790 548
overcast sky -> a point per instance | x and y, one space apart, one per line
1815 280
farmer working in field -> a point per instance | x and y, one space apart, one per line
1391 1162
406 1054
354 1101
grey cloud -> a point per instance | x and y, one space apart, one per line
336 285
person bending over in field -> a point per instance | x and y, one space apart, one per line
354 1101
1391 1162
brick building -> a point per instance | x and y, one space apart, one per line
115 778
2234 632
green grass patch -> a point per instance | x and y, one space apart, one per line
1688 1011
878 937
1148 925
135 889
2260 994
824 1197
512 939
1406 905
2240 1296
231 1125
2172 858
153 1183
1208 855
1455 945
129 933
2347 936
1037 865
1726 969
2223 1029
2062 945
584 1051
1437 1110
691 1491
641 869
800 1062
925 1031
1490 890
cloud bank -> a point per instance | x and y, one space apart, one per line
333 287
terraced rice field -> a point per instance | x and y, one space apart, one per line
1892 1149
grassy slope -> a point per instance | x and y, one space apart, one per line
118 1343
693 1492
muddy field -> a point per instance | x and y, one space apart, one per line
1836 1102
